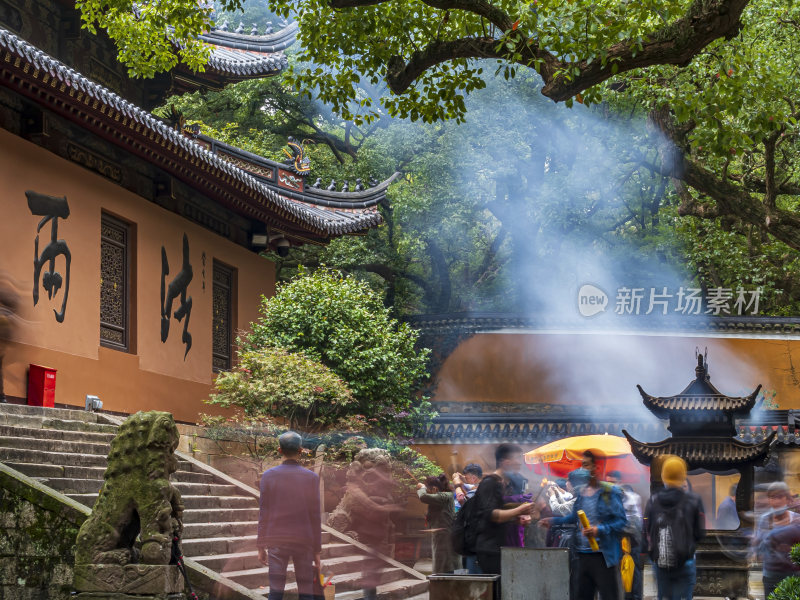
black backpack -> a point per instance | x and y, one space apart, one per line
464 530
671 536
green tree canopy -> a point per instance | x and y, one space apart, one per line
342 323
422 49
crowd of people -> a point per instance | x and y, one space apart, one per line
472 515
597 521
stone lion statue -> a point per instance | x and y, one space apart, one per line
138 511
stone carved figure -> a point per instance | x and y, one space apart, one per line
364 510
126 543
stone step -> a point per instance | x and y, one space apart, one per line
205 489
85 499
29 455
346 582
181 476
213 546
241 561
190 502
67 485
223 529
219 502
38 470
68 414
66 450
402 589
213 515
40 422
256 576
56 434
54 445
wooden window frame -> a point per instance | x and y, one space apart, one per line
231 272
127 247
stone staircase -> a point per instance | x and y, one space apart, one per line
66 450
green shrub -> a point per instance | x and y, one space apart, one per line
342 323
273 384
789 588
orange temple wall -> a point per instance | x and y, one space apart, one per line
152 375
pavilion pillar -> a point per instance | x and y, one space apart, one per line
744 489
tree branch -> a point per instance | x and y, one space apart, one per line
673 44
770 191
400 74
481 8
729 199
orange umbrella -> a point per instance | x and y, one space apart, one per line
564 455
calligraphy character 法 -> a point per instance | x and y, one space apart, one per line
177 287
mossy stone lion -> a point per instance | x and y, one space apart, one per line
137 498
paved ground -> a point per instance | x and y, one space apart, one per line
756 587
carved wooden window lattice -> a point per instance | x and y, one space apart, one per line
222 327
114 283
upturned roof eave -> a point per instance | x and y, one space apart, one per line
646 452
659 405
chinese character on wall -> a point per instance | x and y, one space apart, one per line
177 287
52 208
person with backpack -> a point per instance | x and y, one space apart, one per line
674 523
490 517
438 495
598 545
464 531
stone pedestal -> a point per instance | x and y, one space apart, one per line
98 582
541 573
446 586
722 565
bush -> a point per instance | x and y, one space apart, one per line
271 383
340 322
789 588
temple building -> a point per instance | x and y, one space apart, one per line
133 246
704 434
527 380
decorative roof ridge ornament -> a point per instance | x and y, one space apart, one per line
702 365
296 157
283 177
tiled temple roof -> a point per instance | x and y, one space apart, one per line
704 452
694 400
268 172
53 85
522 429
533 428
245 55
469 323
